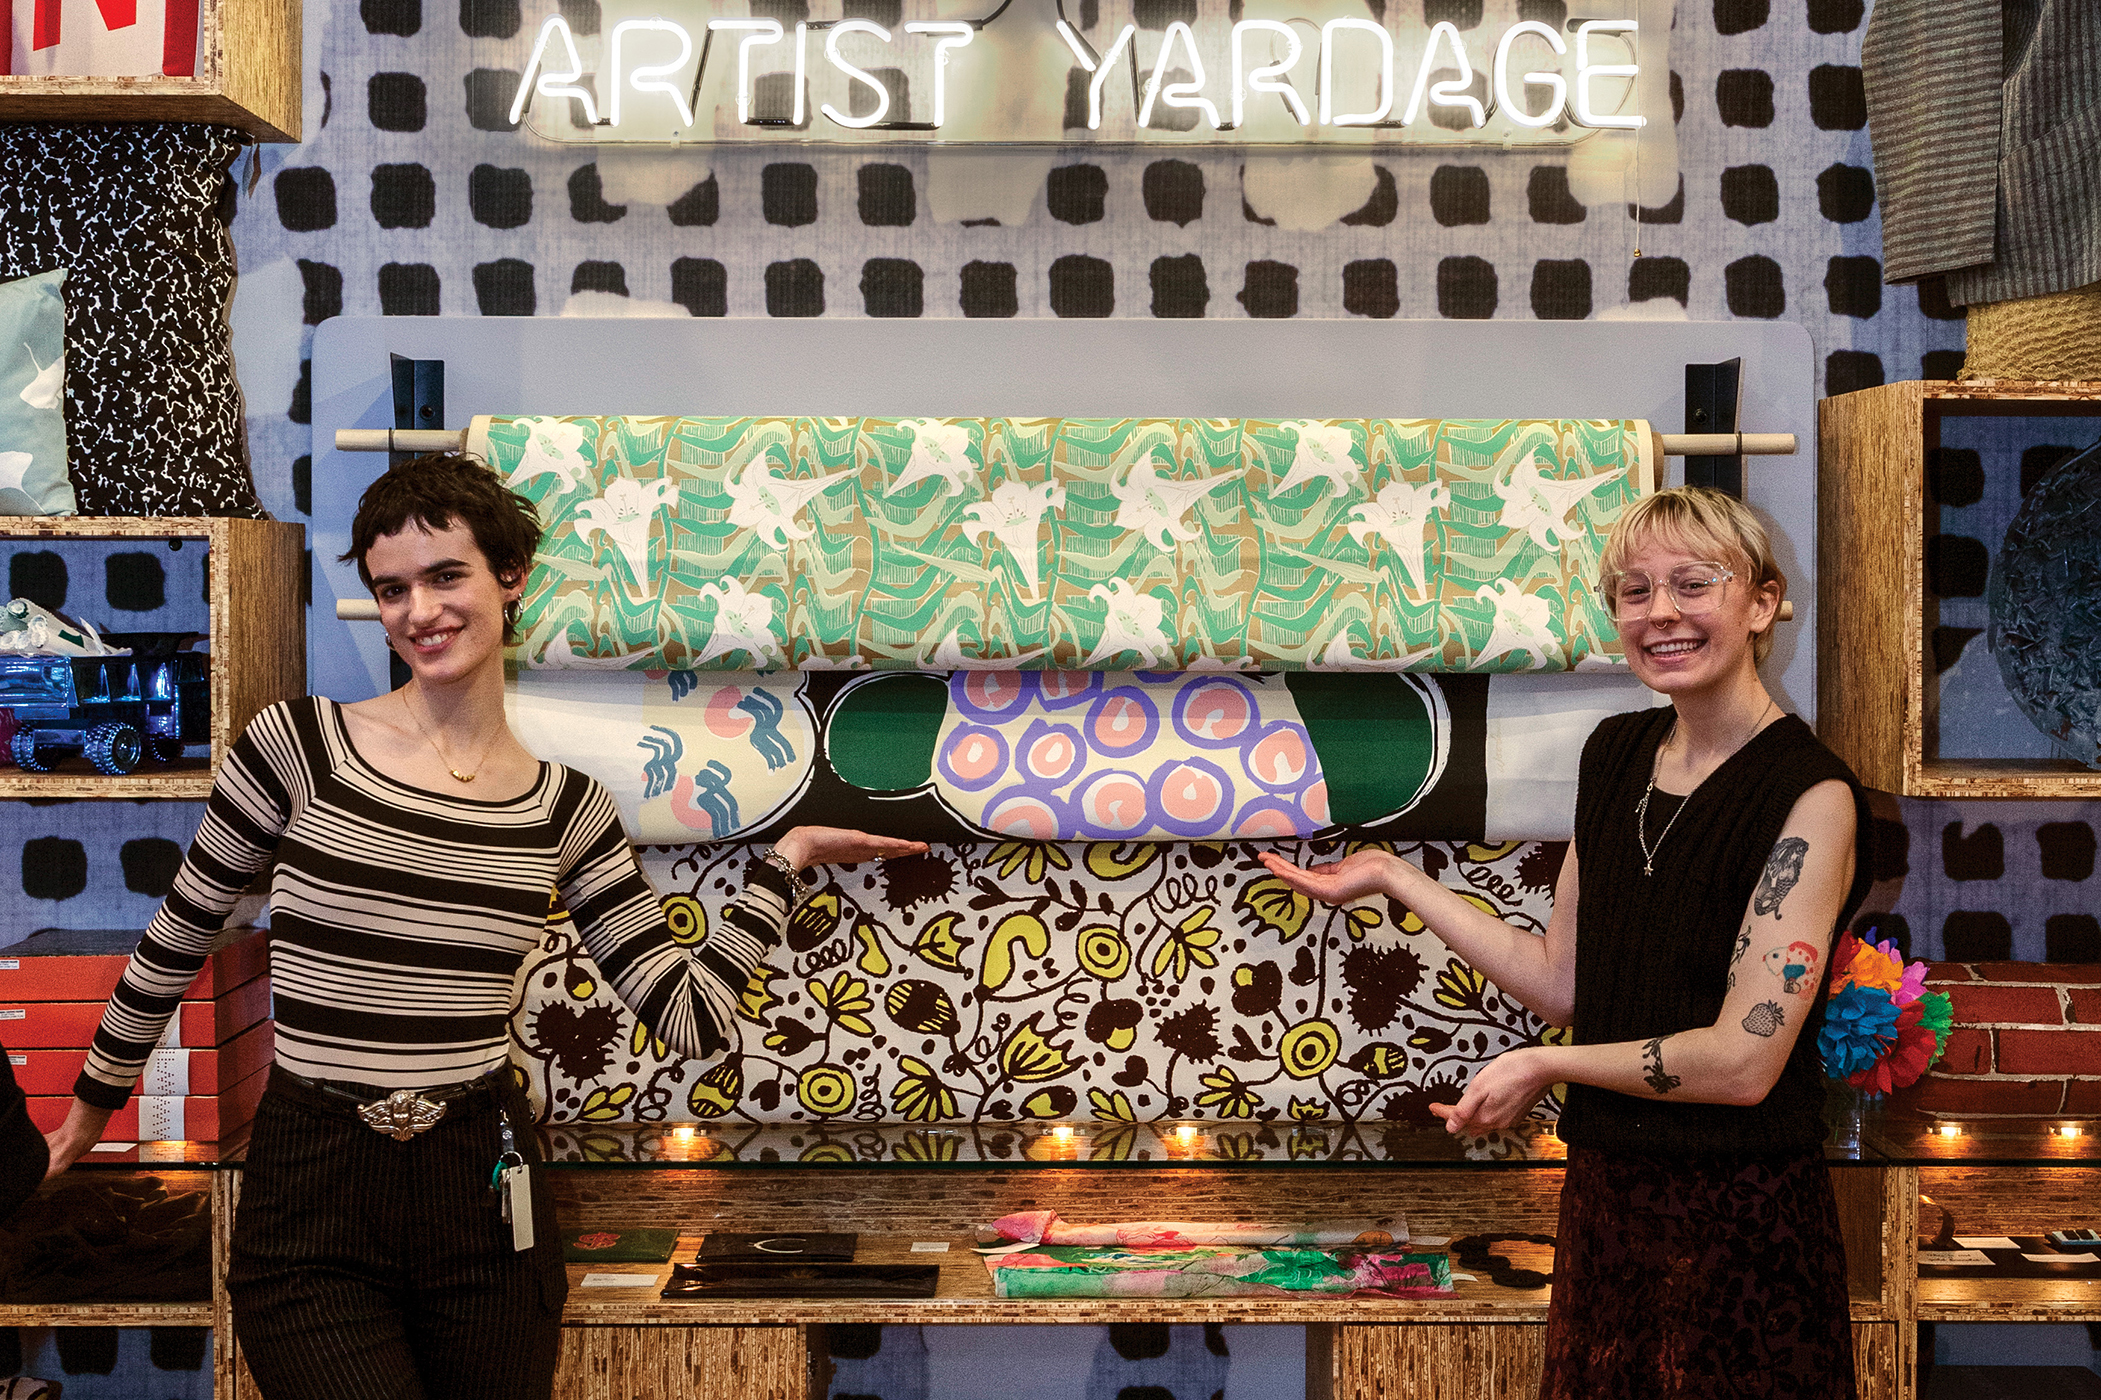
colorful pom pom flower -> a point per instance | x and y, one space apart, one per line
1882 1028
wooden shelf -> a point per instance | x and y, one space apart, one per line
197 1314
258 641
2009 1300
1874 687
248 76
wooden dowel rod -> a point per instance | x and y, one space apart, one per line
400 439
1727 444
365 610
1674 444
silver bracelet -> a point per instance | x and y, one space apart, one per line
798 888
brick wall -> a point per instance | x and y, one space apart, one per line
2027 1041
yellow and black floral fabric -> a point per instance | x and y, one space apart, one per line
1130 982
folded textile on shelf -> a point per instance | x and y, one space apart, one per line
1045 1227
1209 1271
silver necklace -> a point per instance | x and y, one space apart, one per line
457 775
1641 808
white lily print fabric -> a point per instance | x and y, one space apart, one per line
1070 543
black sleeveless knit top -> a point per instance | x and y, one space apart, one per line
1652 951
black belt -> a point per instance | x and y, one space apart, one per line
401 1113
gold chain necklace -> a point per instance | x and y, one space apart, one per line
457 775
1641 808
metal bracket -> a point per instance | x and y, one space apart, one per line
419 397
419 402
1713 400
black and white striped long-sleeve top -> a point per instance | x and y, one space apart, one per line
399 917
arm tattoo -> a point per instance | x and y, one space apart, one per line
1765 1018
1743 945
1652 1055
1782 869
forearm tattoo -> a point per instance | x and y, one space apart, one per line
1652 1056
1782 870
1765 1018
1743 945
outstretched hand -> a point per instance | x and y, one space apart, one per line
805 846
1500 1093
1362 873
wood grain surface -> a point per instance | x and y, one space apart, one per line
257 629
247 76
1876 693
683 1363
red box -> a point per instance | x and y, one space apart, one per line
197 1025
85 964
152 1118
168 1072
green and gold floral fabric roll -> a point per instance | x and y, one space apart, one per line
1069 544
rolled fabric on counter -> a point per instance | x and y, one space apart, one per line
1046 1227
1107 1271
1069 544
1061 756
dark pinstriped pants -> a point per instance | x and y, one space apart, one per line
369 1269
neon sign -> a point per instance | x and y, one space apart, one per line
1283 73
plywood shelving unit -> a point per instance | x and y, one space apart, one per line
247 77
258 641
1875 686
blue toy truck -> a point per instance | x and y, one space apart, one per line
116 710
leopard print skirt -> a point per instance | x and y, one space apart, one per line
1701 1277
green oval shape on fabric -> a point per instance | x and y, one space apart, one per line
881 733
1381 738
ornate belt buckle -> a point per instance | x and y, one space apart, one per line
403 1113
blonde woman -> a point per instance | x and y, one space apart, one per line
1718 850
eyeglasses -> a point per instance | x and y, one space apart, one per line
1695 589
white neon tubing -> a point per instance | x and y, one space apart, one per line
649 77
1506 102
1072 41
831 51
1101 75
554 84
1264 78
1586 71
957 35
758 31
1452 92
1328 32
802 75
1187 96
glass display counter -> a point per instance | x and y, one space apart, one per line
916 1193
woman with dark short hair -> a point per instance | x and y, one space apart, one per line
1720 846
380 1249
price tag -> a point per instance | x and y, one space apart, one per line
930 1246
516 1186
620 1280
1946 1257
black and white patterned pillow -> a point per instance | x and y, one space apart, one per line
137 214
